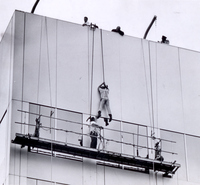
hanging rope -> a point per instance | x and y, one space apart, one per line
49 74
151 87
181 86
38 88
146 83
156 89
92 72
151 114
88 31
102 55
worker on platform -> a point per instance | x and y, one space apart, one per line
37 127
118 30
93 133
37 130
104 102
158 155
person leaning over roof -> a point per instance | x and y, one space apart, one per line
86 23
104 101
164 40
118 30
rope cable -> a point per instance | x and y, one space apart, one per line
49 74
149 109
102 55
152 106
49 71
181 84
88 40
92 73
156 87
38 88
151 87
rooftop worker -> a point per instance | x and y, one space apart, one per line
164 40
93 26
158 155
104 101
86 23
118 30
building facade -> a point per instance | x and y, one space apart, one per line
51 70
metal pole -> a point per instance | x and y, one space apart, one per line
149 27
34 6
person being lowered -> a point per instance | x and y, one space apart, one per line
104 102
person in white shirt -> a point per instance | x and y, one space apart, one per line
104 101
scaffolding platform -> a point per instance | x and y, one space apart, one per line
169 168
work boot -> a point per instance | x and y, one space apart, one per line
110 115
106 121
99 114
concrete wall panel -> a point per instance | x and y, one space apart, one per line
169 97
18 64
6 63
190 66
72 76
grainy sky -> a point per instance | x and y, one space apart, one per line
179 20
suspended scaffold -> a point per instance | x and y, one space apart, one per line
169 168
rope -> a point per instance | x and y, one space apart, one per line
49 76
151 107
92 73
156 88
146 82
181 86
137 141
48 61
151 85
49 73
38 88
102 55
88 65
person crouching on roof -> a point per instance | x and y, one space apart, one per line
104 102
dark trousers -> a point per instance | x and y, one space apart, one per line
93 136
